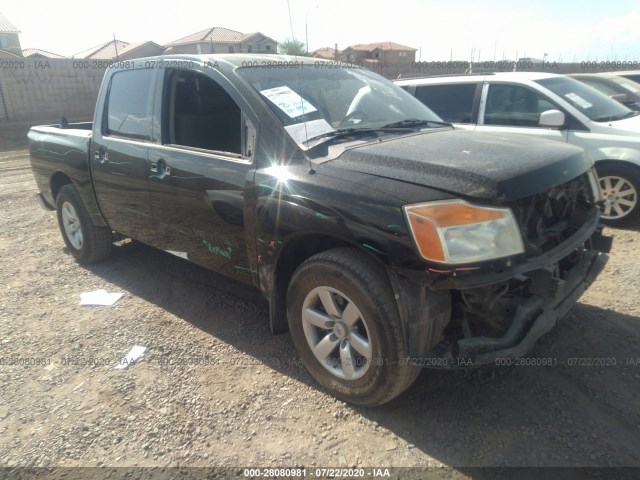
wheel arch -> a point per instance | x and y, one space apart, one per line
613 162
424 313
58 180
293 253
86 191
631 171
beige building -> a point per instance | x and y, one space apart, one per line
9 39
389 53
222 40
327 53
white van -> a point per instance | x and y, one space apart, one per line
553 107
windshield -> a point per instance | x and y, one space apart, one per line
628 86
319 104
594 104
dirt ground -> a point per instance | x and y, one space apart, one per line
216 388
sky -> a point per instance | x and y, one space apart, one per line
572 30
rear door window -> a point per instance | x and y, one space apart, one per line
453 103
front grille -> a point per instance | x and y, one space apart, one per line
549 218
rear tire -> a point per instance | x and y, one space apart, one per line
620 187
346 328
87 242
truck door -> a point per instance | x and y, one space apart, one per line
119 152
511 108
201 165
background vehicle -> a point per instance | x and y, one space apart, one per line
554 107
630 74
620 89
383 239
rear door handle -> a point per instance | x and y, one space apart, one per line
160 168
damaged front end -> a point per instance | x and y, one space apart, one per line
501 311
505 320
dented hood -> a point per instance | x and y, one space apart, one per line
473 164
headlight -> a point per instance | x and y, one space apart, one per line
457 232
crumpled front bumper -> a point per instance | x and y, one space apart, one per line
534 316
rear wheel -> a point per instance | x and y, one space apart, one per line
87 242
620 186
346 328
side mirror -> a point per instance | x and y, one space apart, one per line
551 118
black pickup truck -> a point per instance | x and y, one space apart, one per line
384 239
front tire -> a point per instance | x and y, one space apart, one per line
87 242
620 186
346 328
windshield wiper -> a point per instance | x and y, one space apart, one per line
342 132
414 122
403 124
632 113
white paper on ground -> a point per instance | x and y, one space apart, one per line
99 297
178 254
130 358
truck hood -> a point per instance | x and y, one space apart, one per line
473 164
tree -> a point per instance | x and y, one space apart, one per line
291 46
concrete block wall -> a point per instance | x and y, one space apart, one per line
43 90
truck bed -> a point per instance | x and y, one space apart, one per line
55 149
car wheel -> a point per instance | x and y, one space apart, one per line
620 186
346 328
87 242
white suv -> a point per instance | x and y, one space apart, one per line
553 107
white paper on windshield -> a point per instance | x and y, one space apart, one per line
288 101
300 132
631 88
578 100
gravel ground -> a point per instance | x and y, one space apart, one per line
252 403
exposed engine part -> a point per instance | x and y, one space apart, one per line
481 302
547 219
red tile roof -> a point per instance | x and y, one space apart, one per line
132 47
36 52
104 51
325 52
213 34
216 35
386 46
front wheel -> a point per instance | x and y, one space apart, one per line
87 242
346 328
620 186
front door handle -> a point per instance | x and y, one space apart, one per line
160 168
